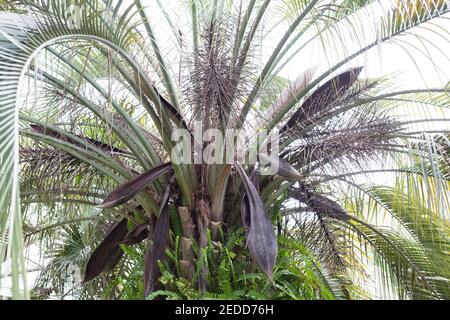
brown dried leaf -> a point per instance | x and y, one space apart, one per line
261 239
108 253
128 190
157 251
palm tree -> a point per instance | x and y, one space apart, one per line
90 101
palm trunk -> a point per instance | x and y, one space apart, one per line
187 254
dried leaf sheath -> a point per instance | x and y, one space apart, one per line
137 235
261 239
108 253
245 213
323 96
157 251
131 188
